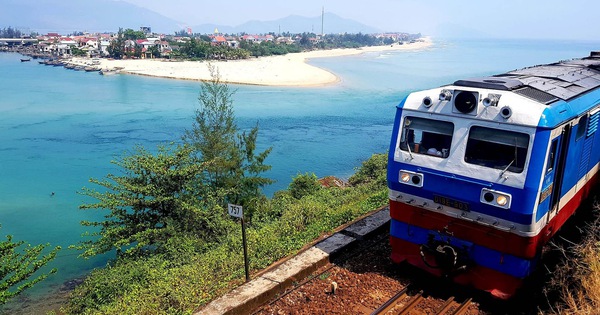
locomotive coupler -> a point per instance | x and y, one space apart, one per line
440 254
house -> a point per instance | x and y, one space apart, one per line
218 40
233 43
65 45
164 48
284 40
103 46
258 38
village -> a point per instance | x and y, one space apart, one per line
144 44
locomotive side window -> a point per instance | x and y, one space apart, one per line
495 148
551 156
426 136
581 127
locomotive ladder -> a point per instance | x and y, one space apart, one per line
399 305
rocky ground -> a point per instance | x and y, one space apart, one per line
365 278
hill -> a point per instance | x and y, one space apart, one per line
68 16
333 24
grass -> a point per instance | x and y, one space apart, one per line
577 278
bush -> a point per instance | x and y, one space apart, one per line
577 279
188 273
373 170
303 185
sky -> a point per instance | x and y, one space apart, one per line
543 19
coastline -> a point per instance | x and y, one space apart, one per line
287 70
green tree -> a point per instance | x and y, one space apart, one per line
116 48
18 266
232 164
154 51
159 196
78 52
133 35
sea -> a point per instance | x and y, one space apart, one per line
59 128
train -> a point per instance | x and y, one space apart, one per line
483 172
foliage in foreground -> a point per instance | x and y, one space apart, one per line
181 190
186 276
154 200
18 267
578 279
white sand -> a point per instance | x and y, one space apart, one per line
287 70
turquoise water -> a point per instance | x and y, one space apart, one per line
60 127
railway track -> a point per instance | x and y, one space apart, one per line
364 278
404 304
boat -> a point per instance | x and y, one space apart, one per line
109 71
25 59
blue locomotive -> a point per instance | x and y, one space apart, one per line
483 172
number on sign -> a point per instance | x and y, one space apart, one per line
235 211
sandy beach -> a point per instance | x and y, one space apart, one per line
287 70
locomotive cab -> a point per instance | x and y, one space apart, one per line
464 174
482 172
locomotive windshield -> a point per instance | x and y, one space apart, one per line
495 148
426 136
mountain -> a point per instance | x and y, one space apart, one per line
332 24
67 16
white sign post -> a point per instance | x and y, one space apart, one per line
235 211
238 212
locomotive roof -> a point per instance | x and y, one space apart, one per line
548 83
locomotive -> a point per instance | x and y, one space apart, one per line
483 172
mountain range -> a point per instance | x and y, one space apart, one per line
294 24
68 16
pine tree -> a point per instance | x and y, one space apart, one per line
232 163
18 266
158 197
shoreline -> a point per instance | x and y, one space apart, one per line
286 70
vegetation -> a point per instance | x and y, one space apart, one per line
577 279
19 265
165 217
304 185
122 46
185 276
200 47
232 166
268 48
154 201
78 52
10 33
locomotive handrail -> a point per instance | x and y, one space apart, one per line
489 185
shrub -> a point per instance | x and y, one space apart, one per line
189 273
373 170
303 185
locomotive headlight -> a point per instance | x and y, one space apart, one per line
466 102
501 200
404 177
411 178
495 198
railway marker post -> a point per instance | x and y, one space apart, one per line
238 212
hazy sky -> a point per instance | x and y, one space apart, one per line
557 19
